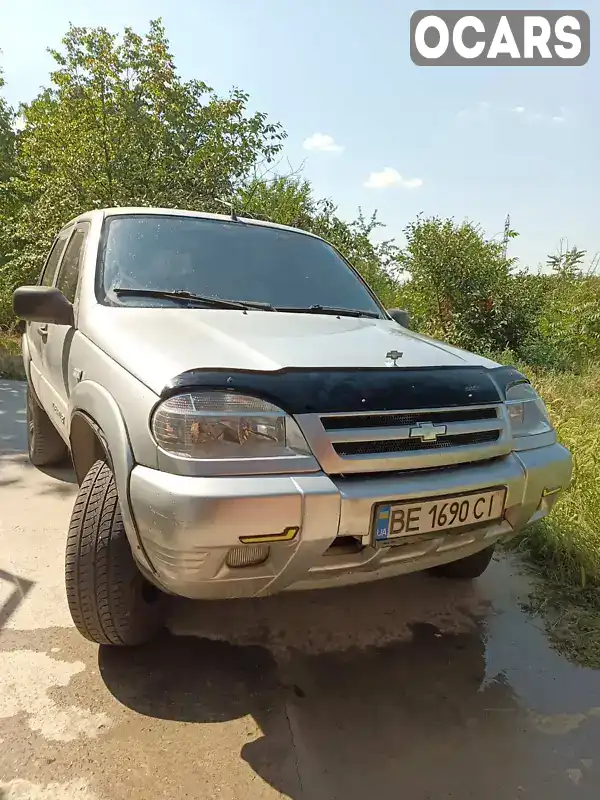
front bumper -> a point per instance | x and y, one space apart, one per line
188 525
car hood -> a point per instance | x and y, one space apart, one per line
156 344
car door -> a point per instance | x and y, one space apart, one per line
55 350
36 332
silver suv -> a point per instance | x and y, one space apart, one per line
244 418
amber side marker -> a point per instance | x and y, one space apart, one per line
286 535
549 492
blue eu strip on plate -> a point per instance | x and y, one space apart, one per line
382 523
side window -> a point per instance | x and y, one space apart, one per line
69 269
53 259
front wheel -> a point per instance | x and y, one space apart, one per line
109 599
466 569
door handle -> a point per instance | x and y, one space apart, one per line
43 329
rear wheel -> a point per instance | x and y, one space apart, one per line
466 568
109 599
44 443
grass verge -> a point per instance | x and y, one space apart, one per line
11 363
565 547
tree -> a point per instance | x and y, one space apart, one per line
567 261
7 155
118 126
7 139
463 287
570 321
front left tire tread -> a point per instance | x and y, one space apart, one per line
109 599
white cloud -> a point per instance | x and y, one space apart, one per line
412 183
482 109
322 142
537 116
391 177
561 116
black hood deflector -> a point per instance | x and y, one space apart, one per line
338 391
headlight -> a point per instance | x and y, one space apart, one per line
204 425
526 411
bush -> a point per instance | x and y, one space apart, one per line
463 289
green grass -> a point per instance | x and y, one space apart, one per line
11 365
10 343
565 547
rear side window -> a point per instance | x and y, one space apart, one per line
71 263
53 259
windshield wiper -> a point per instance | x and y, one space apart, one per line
317 309
181 294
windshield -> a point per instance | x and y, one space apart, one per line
226 260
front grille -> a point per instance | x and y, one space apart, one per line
352 478
339 423
405 445
403 440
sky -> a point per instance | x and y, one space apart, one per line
370 129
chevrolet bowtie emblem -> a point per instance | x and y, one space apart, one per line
394 355
427 431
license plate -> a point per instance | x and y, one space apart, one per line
414 517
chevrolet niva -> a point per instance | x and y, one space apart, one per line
244 417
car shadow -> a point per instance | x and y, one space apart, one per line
412 717
13 417
17 594
13 443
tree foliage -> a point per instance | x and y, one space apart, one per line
118 126
569 326
567 262
7 158
7 139
463 288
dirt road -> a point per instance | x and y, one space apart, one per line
410 688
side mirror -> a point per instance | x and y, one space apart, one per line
400 316
42 304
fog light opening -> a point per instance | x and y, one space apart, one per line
345 545
251 555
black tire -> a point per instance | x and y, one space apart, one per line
44 443
466 569
109 599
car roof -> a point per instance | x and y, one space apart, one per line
118 211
